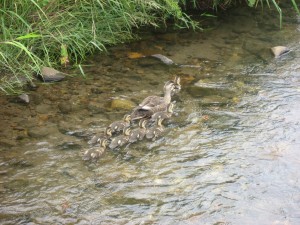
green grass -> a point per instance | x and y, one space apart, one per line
37 33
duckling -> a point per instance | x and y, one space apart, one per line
153 104
93 154
154 132
120 140
164 114
138 133
120 125
97 138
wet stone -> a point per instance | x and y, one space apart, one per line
122 104
43 108
36 98
95 107
39 132
96 91
20 163
279 50
148 61
24 98
17 184
214 100
69 146
65 107
68 127
51 75
7 143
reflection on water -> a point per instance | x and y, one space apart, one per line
229 157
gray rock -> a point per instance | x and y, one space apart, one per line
39 132
279 50
24 98
51 75
163 58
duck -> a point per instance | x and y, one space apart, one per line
120 125
97 138
177 85
93 154
153 104
120 140
164 114
138 133
155 131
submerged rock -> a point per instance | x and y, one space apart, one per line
51 75
122 104
279 50
164 59
39 132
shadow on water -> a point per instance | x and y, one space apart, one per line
230 156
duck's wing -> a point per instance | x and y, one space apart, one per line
150 102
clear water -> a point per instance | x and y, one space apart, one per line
230 156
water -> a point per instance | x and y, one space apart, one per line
229 157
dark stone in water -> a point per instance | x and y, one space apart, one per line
18 184
95 107
69 146
39 132
20 163
65 107
147 62
32 86
96 91
43 108
7 143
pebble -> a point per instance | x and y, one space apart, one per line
24 98
279 50
51 75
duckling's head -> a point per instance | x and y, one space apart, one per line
127 118
104 143
108 132
170 107
177 81
159 121
142 123
126 131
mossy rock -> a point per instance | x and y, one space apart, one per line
122 104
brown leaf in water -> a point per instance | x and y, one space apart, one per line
135 55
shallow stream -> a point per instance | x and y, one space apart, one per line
229 156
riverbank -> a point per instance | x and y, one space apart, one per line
45 33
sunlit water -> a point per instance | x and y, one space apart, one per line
230 156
